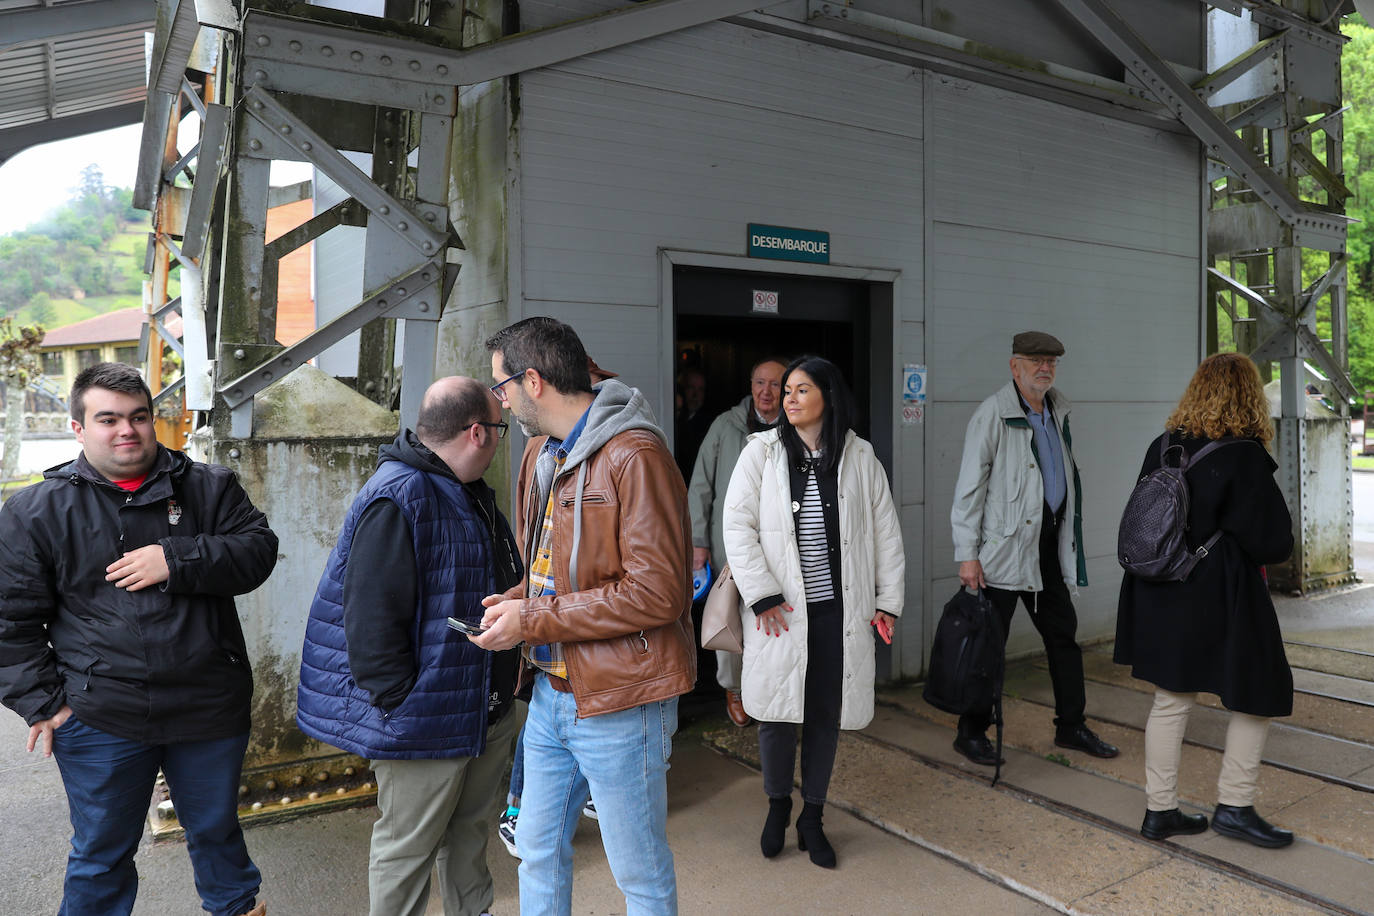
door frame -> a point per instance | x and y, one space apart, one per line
883 286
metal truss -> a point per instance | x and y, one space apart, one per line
1273 198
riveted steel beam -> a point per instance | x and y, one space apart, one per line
407 296
214 141
1266 51
1319 230
385 209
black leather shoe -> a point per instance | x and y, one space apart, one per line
1080 738
1160 825
977 748
1245 824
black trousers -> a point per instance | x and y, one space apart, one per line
820 730
1053 614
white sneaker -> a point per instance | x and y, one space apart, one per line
589 810
506 831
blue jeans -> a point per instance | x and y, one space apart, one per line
109 783
517 771
621 759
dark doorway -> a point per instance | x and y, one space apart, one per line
717 332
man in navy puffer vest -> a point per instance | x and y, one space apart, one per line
384 676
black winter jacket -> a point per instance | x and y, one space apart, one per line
161 665
1217 632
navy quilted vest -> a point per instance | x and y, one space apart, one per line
445 714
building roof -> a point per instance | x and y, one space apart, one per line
112 327
70 67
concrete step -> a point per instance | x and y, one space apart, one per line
1066 836
1333 715
1289 747
1334 686
1347 661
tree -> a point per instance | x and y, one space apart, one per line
19 365
41 310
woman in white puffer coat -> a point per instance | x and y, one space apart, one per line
815 548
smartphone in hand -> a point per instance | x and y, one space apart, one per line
467 629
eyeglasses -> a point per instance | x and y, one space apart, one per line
496 389
1050 361
501 428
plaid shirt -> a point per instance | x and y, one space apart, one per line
546 658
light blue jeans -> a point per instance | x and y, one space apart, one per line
620 759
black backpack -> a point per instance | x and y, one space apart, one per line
967 661
1152 541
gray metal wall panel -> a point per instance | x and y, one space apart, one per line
758 71
611 172
1011 162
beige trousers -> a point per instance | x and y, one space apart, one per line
1240 763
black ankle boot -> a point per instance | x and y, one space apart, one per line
775 828
811 838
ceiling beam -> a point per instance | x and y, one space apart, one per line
71 20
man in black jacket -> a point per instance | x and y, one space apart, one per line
121 647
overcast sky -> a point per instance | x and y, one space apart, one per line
42 178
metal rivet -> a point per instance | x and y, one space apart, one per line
326 51
313 796
401 291
442 69
322 776
340 790
429 217
285 128
414 65
356 55
259 74
294 45
424 276
267 376
403 225
263 41
256 806
384 209
386 60
239 354
427 246
297 780
257 105
349 771
439 100
236 454
381 304
307 146
243 790
424 306
286 799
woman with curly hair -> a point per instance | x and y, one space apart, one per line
1216 631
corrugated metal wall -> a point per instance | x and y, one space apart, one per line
997 212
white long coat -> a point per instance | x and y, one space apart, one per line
761 545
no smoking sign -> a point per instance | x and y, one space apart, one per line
766 301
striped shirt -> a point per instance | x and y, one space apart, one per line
812 543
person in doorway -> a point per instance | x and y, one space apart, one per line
1018 532
759 410
385 677
605 615
121 647
1217 631
815 546
691 421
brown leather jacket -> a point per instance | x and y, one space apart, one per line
626 623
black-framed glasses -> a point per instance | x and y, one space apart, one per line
496 389
501 428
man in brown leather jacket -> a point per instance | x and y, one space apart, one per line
605 615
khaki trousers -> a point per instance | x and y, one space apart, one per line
439 813
1240 763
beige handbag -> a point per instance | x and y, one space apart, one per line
721 625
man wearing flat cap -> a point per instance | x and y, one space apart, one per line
1018 531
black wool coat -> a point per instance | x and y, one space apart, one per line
1217 632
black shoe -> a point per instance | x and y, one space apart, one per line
1245 824
978 749
1080 738
1160 825
775 828
811 838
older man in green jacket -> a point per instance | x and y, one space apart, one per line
706 494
